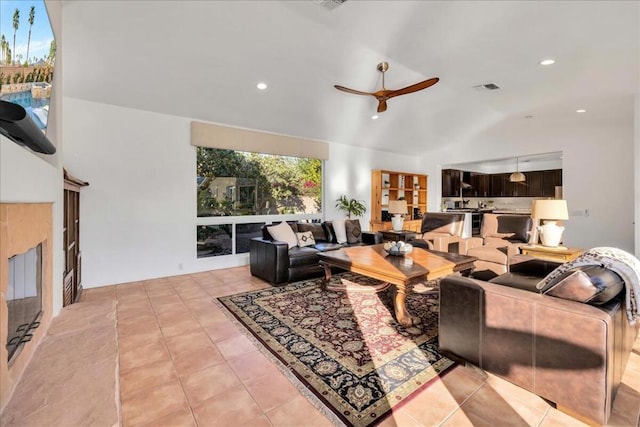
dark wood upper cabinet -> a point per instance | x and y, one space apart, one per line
537 184
451 182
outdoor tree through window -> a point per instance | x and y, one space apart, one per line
236 183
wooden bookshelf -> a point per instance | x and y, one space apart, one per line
392 185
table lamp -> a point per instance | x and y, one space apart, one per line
398 208
550 211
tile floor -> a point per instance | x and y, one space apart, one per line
182 362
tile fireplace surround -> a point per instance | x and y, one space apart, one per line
23 226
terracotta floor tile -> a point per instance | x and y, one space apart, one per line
236 346
135 326
507 411
133 342
434 403
297 412
261 421
188 362
143 377
171 300
159 291
252 365
143 355
190 341
234 407
202 385
150 405
180 327
555 418
262 389
181 418
96 294
222 331
400 418
210 315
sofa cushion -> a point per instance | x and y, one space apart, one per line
339 228
316 229
353 231
284 233
299 257
305 239
326 246
498 255
592 284
507 227
442 223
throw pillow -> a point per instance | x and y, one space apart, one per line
353 231
284 233
305 239
592 284
316 229
339 227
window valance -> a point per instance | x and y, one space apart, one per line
230 138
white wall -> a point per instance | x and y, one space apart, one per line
598 171
138 214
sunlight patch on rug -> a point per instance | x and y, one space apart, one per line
353 360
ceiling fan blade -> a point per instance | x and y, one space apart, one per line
355 92
382 106
413 88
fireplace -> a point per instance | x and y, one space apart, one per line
24 299
26 282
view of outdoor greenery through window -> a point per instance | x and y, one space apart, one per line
235 183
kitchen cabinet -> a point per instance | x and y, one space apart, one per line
390 185
482 184
537 184
451 182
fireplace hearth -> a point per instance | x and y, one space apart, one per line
26 287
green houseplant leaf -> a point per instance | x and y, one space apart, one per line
351 206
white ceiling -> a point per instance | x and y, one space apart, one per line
203 59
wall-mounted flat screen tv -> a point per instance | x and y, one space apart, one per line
27 58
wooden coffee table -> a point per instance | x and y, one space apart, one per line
402 272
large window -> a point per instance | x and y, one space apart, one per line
235 189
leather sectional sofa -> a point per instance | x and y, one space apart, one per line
568 351
277 263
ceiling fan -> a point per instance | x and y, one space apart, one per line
383 94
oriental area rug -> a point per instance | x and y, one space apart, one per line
343 349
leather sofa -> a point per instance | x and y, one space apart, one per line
277 263
501 236
569 352
440 231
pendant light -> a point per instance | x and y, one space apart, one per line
517 176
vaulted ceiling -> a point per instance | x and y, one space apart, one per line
203 59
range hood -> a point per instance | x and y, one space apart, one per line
16 125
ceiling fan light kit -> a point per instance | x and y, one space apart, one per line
384 94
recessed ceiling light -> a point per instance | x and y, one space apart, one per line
581 111
548 61
261 86
528 117
374 117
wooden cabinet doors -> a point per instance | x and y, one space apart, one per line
72 285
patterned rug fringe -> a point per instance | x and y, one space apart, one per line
293 379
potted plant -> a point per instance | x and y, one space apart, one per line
351 206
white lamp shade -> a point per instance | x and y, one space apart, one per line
550 209
398 207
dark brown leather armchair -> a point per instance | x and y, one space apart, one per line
439 231
568 352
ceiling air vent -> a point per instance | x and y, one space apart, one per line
329 4
487 86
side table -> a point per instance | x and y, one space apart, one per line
560 253
394 236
